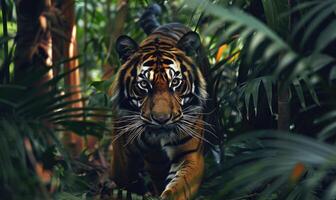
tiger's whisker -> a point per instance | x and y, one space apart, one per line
187 117
199 127
123 131
192 133
133 135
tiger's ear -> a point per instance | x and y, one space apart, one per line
125 47
189 43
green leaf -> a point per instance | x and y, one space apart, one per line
318 20
84 128
67 196
266 161
268 83
274 9
313 12
332 75
254 44
299 92
318 62
327 131
240 19
102 86
326 37
311 90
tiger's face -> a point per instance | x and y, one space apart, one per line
159 88
163 90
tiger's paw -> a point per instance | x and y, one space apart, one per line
167 195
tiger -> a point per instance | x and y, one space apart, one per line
159 93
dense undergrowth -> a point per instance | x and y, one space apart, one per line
274 73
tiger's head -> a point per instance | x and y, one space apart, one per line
159 87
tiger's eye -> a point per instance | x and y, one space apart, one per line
175 82
143 84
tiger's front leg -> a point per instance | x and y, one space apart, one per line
125 168
186 171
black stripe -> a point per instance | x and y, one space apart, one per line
155 45
168 55
135 98
121 81
168 34
178 30
167 61
178 157
183 68
128 86
149 63
138 93
147 50
146 56
134 71
179 142
190 95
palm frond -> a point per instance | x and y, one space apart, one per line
270 163
266 53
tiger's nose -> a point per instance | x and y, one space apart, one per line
161 118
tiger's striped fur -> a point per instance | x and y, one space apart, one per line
159 93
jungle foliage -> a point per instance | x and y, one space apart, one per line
273 73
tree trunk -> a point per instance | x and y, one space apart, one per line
66 43
33 44
283 93
283 109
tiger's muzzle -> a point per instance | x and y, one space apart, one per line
161 110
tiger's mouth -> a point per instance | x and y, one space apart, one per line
162 127
169 123
160 132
